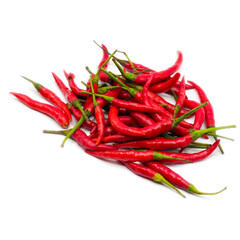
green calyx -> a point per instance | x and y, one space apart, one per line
77 104
38 86
191 188
195 134
72 131
180 119
159 156
129 76
159 178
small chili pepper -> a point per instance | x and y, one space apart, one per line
51 97
73 86
98 115
161 143
47 109
209 113
181 98
83 140
116 138
176 179
156 76
150 174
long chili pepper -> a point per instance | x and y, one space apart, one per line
102 102
181 98
116 138
150 174
176 179
161 143
209 113
98 115
192 157
83 140
73 86
149 131
146 99
132 155
156 76
51 97
53 112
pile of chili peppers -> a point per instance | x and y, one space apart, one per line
129 119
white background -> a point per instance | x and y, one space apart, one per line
48 192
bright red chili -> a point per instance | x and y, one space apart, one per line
47 109
51 97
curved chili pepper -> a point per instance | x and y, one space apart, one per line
116 138
165 86
176 179
150 174
156 76
209 113
47 109
73 86
181 98
83 140
161 143
148 132
51 97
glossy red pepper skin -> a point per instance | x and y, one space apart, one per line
165 86
73 86
47 109
100 123
209 113
86 143
142 119
148 132
117 138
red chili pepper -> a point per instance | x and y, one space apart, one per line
51 97
133 156
209 113
176 179
165 86
161 143
75 89
84 141
47 109
181 98
142 119
117 138
156 76
150 174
